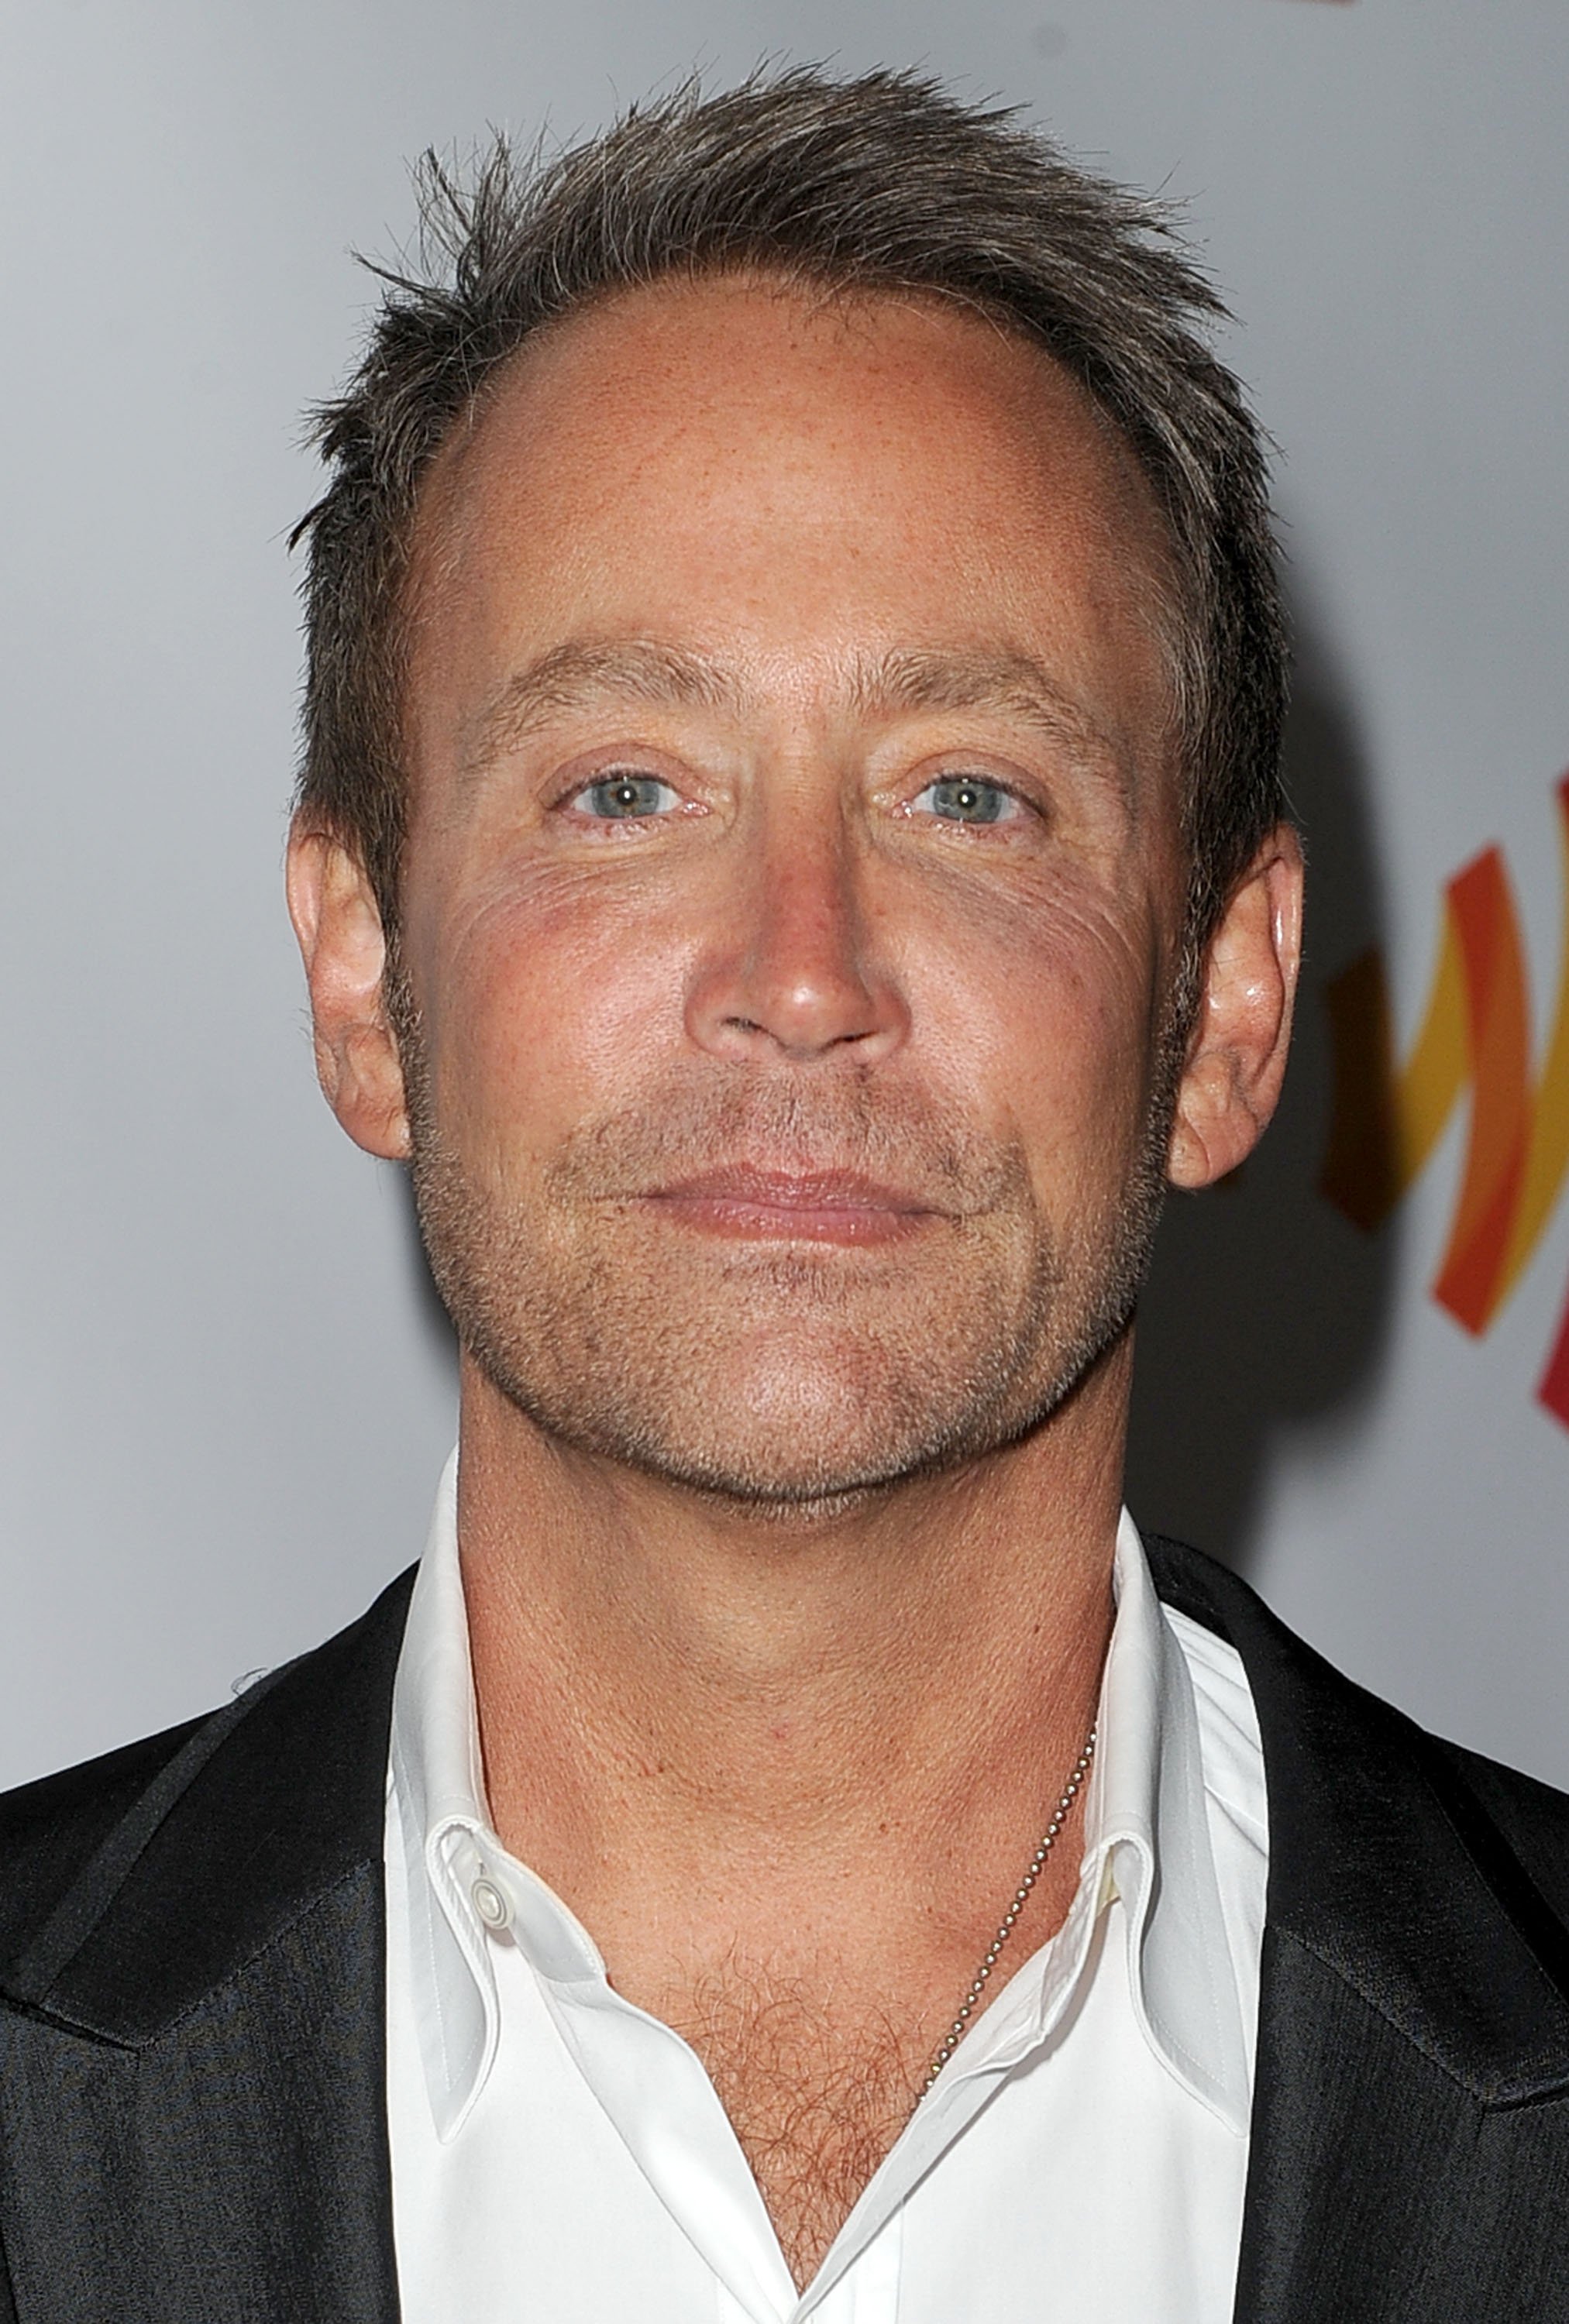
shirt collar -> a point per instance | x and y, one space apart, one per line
1148 1830
1147 1843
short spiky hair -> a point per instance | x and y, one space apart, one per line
882 182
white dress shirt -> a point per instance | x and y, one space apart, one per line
560 2156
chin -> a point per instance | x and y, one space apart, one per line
791 1428
790 1377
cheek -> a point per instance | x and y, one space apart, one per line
1049 1012
541 996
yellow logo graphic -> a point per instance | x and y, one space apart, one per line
1476 1034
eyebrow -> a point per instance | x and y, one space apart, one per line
577 675
1004 684
574 677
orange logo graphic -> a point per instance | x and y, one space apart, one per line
1388 1117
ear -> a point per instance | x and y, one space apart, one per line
341 941
1236 1058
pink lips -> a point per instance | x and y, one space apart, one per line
783 1206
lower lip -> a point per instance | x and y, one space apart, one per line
742 1219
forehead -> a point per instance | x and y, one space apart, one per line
749 468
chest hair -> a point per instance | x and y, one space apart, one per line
817 2092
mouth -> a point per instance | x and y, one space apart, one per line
825 1206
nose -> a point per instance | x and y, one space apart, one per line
791 970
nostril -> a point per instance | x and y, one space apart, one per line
782 995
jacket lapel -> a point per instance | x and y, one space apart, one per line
192 2059
1410 2135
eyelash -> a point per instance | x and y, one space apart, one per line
623 778
1011 808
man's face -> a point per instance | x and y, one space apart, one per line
792 888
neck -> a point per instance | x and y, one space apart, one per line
788 1767
680 1685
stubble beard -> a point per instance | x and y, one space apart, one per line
780 1374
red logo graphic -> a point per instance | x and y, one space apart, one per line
1476 1034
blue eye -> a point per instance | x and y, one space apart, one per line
965 799
621 798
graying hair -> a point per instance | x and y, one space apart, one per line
884 182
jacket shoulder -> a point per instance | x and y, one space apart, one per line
1532 1817
50 1827
1363 1801
221 1829
1215 1597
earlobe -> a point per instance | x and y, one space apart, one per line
342 943
1236 1058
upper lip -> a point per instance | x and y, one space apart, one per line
786 1190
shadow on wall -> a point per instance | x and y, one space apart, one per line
1262 1311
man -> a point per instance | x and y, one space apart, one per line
791 850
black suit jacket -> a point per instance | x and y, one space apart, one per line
192 2113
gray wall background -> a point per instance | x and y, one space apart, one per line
224 1397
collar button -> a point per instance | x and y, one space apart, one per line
490 1903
